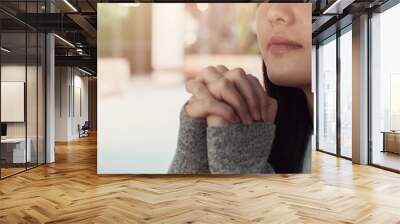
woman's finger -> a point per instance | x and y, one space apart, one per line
272 109
225 90
262 96
210 106
271 105
243 84
208 75
221 69
191 100
198 89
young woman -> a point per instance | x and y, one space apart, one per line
233 125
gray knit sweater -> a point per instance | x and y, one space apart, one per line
233 149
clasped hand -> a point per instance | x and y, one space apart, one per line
223 96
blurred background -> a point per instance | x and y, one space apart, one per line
145 53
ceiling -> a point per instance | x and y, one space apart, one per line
72 20
332 15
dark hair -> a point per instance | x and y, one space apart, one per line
293 127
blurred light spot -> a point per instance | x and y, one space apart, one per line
202 6
130 4
190 39
191 29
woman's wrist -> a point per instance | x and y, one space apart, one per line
216 121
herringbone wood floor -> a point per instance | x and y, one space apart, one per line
70 191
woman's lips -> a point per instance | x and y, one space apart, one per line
281 45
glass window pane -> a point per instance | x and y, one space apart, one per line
41 98
13 86
32 90
385 87
22 90
31 97
346 94
327 96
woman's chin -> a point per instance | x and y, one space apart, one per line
281 80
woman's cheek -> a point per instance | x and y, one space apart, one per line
262 43
294 72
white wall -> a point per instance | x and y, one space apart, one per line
10 73
14 73
61 103
80 84
68 82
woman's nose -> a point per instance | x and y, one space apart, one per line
280 14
